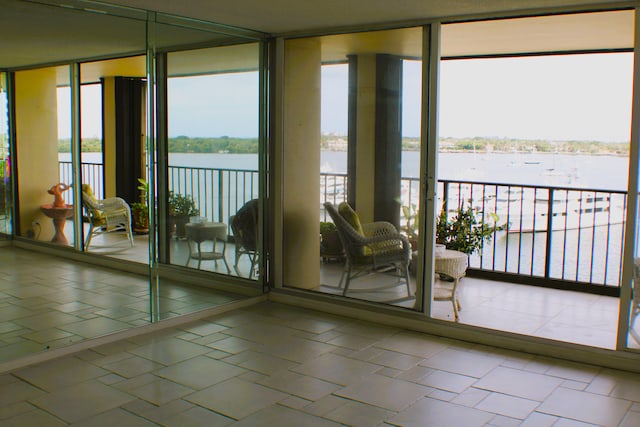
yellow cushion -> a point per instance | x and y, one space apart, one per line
98 217
350 216
347 212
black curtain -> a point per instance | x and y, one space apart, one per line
129 102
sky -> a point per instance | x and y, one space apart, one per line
562 97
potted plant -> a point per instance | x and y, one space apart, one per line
410 228
463 231
140 210
330 244
181 207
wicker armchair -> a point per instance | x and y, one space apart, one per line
105 216
244 225
377 247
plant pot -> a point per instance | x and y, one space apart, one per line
178 223
330 245
140 219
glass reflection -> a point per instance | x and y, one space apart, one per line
114 169
213 124
5 161
352 139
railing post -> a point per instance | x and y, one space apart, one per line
220 196
547 252
445 197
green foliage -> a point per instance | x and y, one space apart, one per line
143 186
410 228
181 144
180 205
464 232
326 227
140 210
89 145
223 144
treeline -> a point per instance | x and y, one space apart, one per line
225 144
89 145
533 146
181 144
500 145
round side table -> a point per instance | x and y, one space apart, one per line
200 232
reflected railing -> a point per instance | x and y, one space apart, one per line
92 174
569 236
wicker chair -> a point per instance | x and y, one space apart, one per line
244 225
379 248
105 216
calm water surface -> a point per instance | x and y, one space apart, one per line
580 171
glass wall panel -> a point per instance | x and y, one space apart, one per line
113 144
533 169
113 124
352 155
6 196
633 337
78 301
213 180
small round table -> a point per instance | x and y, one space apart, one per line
451 264
200 232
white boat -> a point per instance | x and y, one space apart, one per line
572 214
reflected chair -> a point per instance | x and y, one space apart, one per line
105 216
244 225
376 247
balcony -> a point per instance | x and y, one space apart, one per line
556 241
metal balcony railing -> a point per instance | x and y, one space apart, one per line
566 236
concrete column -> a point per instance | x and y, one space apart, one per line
37 146
375 139
365 92
301 160
388 144
109 134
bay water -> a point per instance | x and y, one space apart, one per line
605 172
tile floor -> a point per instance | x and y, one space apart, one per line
568 316
547 313
48 302
277 365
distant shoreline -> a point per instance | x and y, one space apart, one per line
227 145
